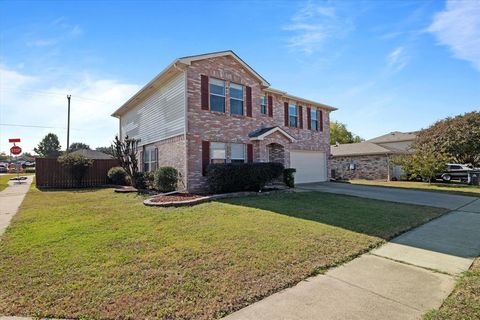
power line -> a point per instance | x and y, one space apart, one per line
34 126
53 93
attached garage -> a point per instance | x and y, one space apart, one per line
311 166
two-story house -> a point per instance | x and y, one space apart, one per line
214 108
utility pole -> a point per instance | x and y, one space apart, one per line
68 123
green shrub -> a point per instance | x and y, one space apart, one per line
232 177
117 175
289 177
140 180
166 179
77 166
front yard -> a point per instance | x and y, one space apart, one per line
440 187
96 254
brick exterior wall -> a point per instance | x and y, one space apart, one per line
172 153
205 125
370 167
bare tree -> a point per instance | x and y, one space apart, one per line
126 153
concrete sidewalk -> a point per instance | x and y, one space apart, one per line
10 200
395 281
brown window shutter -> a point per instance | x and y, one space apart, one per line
250 153
285 106
205 156
141 161
320 119
270 106
300 117
249 101
156 158
309 119
204 91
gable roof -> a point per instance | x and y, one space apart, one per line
189 59
395 136
92 154
179 65
360 148
261 133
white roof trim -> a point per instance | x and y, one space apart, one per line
269 132
188 60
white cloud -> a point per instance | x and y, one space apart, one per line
397 59
313 24
35 100
458 27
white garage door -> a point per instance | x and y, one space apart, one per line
311 166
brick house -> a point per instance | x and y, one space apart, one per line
214 108
372 159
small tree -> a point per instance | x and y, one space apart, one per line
48 146
340 134
423 163
126 153
77 146
77 166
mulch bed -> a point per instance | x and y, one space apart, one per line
176 197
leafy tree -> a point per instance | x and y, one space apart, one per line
27 155
340 134
77 146
77 165
4 156
126 153
107 150
458 136
48 146
424 163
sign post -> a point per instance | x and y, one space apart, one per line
16 150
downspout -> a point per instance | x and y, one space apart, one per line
388 167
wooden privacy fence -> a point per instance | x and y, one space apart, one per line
51 174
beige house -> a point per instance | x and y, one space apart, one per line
371 159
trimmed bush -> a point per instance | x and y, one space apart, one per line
140 180
77 166
117 175
165 179
289 177
233 177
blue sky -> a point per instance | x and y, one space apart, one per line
387 65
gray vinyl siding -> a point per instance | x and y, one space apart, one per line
159 116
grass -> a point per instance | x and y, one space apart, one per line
440 187
464 302
97 254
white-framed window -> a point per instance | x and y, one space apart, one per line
263 104
217 95
236 98
313 119
237 152
292 115
150 160
218 152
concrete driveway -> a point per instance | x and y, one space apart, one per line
401 280
426 198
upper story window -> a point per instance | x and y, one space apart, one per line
292 116
313 119
237 153
150 160
217 95
217 152
263 104
236 98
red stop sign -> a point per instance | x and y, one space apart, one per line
16 150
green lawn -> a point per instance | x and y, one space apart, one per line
441 187
98 254
4 178
464 302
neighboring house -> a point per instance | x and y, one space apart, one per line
214 108
93 154
371 159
